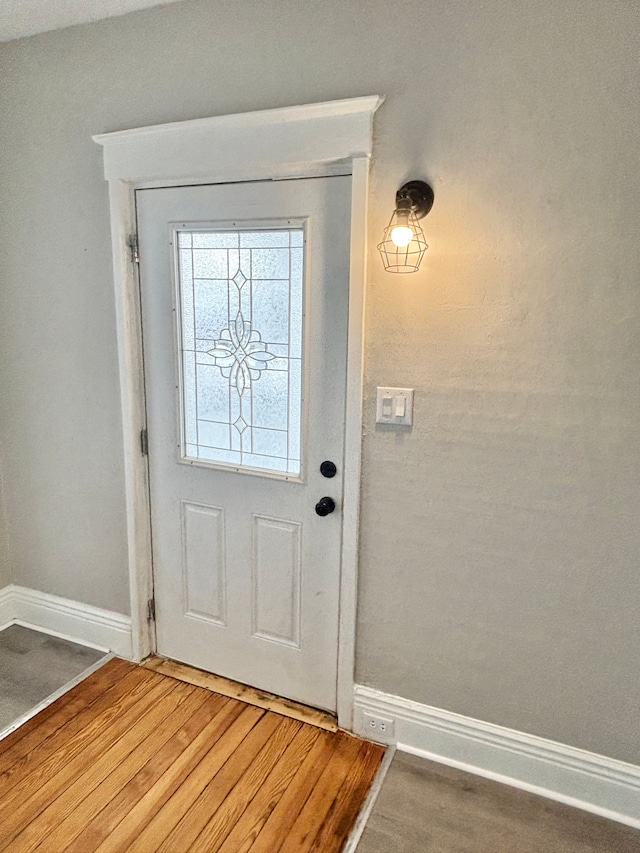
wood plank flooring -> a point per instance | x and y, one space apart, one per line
133 760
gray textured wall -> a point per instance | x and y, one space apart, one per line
5 571
499 570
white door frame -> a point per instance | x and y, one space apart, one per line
293 142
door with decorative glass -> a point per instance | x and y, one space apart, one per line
244 291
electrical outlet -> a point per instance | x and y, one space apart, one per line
377 728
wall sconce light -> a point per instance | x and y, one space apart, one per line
403 245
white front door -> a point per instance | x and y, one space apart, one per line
244 306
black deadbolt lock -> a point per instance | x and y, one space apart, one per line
328 469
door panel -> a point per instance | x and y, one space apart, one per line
203 562
276 570
244 301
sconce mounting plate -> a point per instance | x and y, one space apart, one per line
420 194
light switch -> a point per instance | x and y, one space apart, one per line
394 406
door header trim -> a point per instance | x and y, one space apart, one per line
251 145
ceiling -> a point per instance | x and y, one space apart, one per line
26 17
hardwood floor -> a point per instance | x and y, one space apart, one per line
132 760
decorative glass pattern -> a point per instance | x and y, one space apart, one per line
240 296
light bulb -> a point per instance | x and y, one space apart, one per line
402 235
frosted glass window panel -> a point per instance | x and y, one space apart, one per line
270 442
270 306
295 309
215 454
211 308
262 239
210 263
254 460
241 331
189 397
295 406
270 397
214 239
270 263
212 394
212 434
188 321
280 350
203 347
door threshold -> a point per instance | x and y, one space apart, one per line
235 690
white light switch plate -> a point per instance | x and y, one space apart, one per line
394 406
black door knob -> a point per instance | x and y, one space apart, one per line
325 506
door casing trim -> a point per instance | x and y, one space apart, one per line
330 138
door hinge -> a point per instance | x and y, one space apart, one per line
132 242
151 610
144 442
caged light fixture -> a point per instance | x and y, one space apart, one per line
403 245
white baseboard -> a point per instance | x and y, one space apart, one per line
579 778
73 620
6 607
